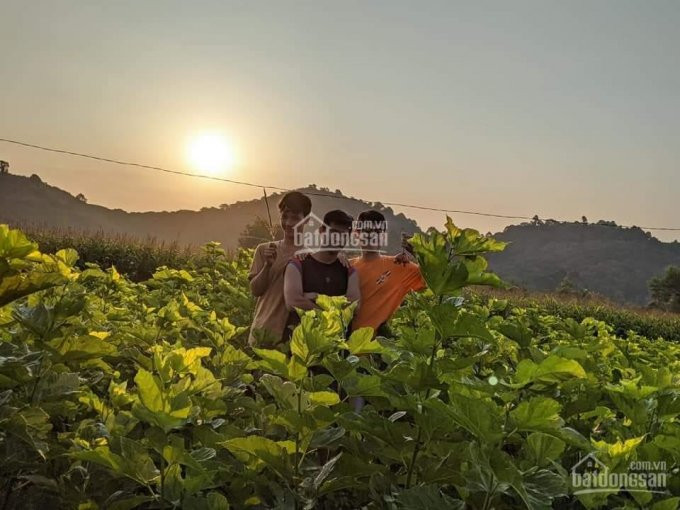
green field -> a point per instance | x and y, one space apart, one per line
652 323
137 258
119 394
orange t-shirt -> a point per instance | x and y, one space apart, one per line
384 285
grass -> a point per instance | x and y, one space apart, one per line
137 258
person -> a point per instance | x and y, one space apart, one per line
384 281
267 272
321 272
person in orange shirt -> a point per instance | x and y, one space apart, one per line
384 281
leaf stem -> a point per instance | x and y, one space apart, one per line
297 433
485 506
8 493
37 379
418 445
162 481
414 456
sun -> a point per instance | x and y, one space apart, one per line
211 153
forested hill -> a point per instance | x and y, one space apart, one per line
29 202
613 261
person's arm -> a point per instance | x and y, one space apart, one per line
259 272
293 292
353 293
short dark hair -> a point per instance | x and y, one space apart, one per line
371 215
296 202
339 218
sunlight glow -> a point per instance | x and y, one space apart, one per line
211 153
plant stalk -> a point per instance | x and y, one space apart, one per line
162 481
8 493
418 445
297 434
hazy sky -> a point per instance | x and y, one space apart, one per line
558 108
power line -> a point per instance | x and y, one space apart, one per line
278 188
138 165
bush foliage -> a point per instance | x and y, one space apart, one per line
122 395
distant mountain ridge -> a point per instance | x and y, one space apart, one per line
613 261
30 202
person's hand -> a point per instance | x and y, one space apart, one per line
342 258
403 258
311 295
270 254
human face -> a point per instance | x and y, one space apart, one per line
338 236
370 237
290 220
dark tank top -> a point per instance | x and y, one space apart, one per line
328 279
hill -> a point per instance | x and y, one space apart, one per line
30 202
613 261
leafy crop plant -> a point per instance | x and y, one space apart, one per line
121 395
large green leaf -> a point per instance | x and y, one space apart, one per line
284 392
427 497
167 408
132 461
323 398
24 270
103 456
32 426
551 369
309 341
450 260
77 348
667 504
15 245
149 391
452 322
442 276
537 414
543 448
258 451
517 331
481 418
16 286
278 363
361 342
273 361
364 386
535 488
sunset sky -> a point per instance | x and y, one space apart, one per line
560 109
